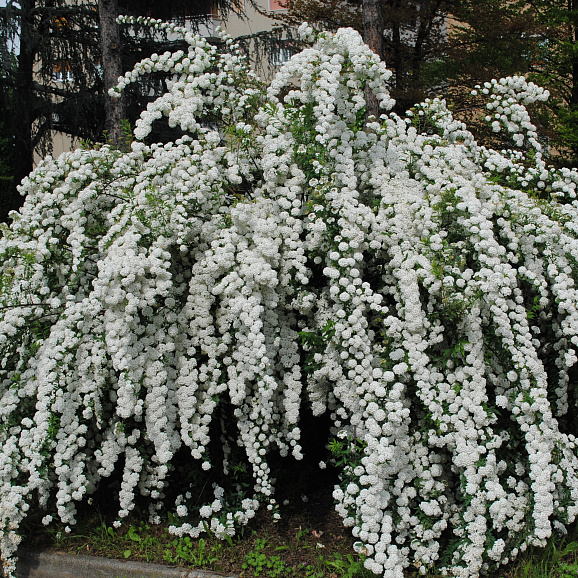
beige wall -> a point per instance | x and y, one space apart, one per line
254 22
61 143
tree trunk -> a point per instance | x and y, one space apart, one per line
114 108
24 96
372 15
573 101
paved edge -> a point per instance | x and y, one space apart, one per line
38 564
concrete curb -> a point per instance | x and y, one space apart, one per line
37 564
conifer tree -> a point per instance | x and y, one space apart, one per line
112 67
55 78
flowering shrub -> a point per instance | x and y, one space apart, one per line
283 254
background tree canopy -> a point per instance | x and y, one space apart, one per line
480 40
428 54
58 41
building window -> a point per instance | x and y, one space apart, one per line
62 72
208 8
60 22
277 5
281 54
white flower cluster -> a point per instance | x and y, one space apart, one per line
522 165
196 296
204 86
508 99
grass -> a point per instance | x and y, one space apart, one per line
295 547
308 542
558 560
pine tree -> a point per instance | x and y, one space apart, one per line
59 76
115 110
55 79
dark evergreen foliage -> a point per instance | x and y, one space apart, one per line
54 81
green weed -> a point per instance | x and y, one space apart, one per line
199 554
557 560
257 561
140 541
